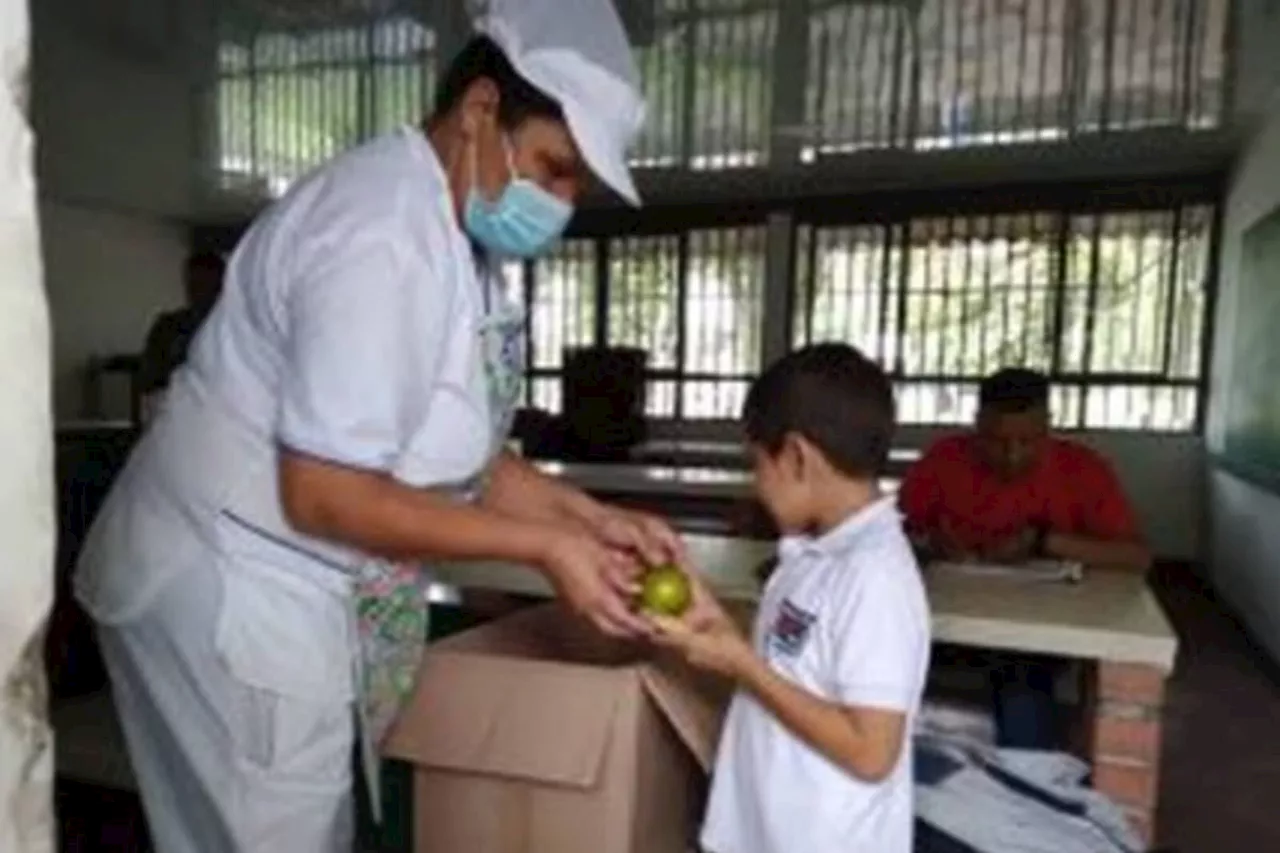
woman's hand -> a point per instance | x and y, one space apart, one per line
650 537
598 583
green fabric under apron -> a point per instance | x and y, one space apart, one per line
396 833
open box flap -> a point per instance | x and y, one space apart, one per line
693 702
482 707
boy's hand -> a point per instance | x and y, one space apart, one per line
704 610
718 647
705 635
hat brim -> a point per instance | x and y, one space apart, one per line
605 160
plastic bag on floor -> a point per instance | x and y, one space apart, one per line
1015 801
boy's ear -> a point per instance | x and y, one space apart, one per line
794 455
809 461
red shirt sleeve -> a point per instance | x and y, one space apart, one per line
920 495
1107 513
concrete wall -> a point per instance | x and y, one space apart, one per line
116 146
27 820
107 274
1244 520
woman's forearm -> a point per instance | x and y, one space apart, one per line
520 490
378 515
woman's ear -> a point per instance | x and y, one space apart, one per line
479 106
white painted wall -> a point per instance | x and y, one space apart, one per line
26 471
1244 520
115 154
107 275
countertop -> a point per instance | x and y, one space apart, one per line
629 478
1109 616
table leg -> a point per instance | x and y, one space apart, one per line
1124 745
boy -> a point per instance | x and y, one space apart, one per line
815 755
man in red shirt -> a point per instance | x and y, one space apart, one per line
1008 492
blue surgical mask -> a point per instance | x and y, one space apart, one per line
522 222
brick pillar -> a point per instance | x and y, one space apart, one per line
1125 747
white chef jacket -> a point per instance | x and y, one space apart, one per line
347 330
843 616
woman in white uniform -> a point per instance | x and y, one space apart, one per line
342 416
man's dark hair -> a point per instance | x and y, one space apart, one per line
518 99
833 396
1014 390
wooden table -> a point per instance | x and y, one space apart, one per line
1110 621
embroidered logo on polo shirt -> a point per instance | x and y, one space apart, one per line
791 629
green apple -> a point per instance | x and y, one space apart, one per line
665 590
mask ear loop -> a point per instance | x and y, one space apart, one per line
508 154
508 149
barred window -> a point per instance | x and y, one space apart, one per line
692 300
727 81
288 100
1111 305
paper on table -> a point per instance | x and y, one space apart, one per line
1061 571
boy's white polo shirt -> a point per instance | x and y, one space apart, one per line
845 617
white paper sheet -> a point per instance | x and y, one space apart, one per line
1043 571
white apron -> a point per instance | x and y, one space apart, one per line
390 599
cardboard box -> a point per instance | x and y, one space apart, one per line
532 734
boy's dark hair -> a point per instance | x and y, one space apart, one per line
518 99
1014 390
833 396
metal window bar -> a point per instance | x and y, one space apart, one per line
992 72
724 307
561 313
1111 305
289 100
694 300
643 309
880 74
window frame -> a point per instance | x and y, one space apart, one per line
1093 198
1161 191
647 225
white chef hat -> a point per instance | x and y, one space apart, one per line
577 53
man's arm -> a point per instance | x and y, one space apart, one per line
153 366
920 501
865 741
1111 537
1131 554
